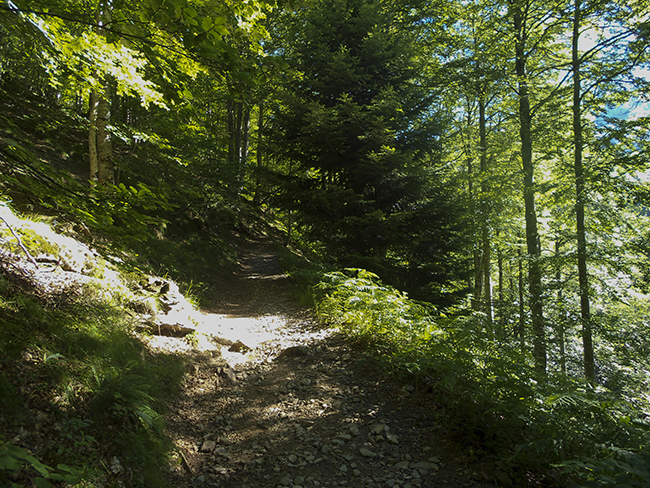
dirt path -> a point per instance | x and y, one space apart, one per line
300 408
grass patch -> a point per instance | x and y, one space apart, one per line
79 389
194 262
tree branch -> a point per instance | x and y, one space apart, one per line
20 243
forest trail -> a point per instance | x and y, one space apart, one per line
274 400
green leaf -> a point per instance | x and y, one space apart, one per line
42 483
9 463
38 466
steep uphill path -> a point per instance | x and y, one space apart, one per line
272 400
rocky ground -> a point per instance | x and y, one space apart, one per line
279 402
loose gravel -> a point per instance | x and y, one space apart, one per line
274 400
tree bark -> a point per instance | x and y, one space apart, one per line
105 173
99 138
485 215
92 134
239 129
532 236
560 328
522 309
583 276
500 308
260 149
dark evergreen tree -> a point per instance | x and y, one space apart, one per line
358 123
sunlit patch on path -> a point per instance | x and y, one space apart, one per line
258 318
263 336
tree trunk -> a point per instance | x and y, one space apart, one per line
99 138
260 149
476 253
105 173
245 142
238 129
522 309
501 300
560 328
478 279
93 102
532 236
485 215
583 277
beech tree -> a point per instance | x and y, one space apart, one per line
139 50
597 73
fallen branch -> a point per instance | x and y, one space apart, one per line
20 243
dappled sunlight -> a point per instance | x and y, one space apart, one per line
56 260
262 337
274 277
302 421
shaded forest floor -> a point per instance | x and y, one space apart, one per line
279 401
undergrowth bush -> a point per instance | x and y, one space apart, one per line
494 399
78 388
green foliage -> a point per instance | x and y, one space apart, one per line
618 468
357 303
493 399
13 459
356 129
121 397
81 362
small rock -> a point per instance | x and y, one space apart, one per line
293 352
208 446
240 347
293 458
227 372
392 438
367 452
354 430
380 429
286 481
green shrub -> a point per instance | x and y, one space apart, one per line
494 399
14 459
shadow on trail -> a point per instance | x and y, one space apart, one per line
300 409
